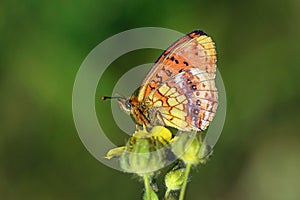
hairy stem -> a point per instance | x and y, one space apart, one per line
186 176
147 186
167 194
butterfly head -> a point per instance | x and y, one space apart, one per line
126 105
138 110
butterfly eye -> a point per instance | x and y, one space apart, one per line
128 103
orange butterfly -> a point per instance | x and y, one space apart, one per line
179 91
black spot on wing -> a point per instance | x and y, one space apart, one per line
193 87
199 32
196 33
186 64
159 77
159 81
168 72
196 111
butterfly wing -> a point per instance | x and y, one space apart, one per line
187 101
194 50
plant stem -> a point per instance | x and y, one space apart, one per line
167 194
186 176
147 186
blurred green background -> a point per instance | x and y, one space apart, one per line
43 44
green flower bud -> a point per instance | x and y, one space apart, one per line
204 153
186 147
143 154
174 179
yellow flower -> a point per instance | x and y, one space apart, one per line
115 152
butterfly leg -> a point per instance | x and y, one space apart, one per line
159 119
144 127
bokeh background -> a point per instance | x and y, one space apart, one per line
43 44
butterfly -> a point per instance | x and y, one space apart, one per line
179 91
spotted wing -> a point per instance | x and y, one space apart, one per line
194 50
187 101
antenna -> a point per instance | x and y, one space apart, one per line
107 97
